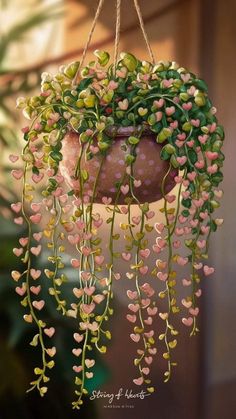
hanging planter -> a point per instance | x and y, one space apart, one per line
147 165
123 136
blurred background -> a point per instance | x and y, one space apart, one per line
39 36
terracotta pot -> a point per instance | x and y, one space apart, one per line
148 167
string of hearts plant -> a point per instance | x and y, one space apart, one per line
122 135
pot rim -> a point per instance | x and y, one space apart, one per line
120 131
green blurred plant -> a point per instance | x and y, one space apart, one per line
10 87
20 29
26 81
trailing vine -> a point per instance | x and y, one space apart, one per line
122 136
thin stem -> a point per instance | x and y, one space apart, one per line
32 312
82 387
193 259
168 289
111 263
178 205
61 303
137 285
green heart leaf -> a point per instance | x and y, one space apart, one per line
34 341
103 57
129 61
133 140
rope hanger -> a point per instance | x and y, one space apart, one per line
149 48
117 33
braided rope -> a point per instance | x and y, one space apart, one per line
117 36
144 31
99 8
